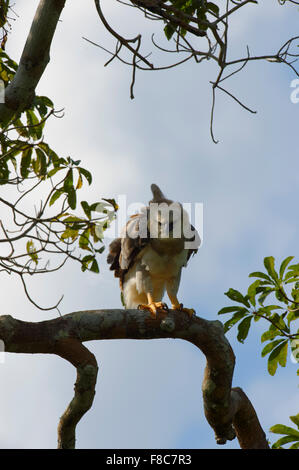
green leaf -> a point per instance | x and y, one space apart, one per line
282 429
293 271
268 309
86 261
25 162
4 172
235 318
269 262
33 125
70 233
169 31
29 246
291 280
84 240
112 202
72 198
251 292
73 218
55 196
86 173
100 250
277 356
283 440
213 7
237 297
269 335
86 208
295 446
268 348
282 358
42 103
95 267
42 160
243 329
79 182
279 294
292 315
31 250
284 265
265 294
261 275
202 18
235 308
68 181
295 419
294 268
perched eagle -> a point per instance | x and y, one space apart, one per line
149 255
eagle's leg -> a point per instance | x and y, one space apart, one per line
152 306
172 287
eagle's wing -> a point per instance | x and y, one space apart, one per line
196 242
124 250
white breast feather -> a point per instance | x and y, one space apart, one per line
151 270
162 266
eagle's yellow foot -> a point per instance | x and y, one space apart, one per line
153 307
181 308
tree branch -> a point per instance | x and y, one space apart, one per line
20 93
87 369
224 407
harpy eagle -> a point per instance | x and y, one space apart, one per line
150 253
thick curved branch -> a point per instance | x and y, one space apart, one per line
35 57
246 424
87 369
225 408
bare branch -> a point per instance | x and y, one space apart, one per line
216 32
122 40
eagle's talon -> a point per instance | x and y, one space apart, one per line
153 307
181 308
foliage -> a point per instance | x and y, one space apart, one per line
62 227
283 286
192 9
290 434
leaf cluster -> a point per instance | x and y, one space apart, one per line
282 285
290 434
191 9
30 170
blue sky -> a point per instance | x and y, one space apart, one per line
149 393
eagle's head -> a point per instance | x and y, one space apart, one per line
166 218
